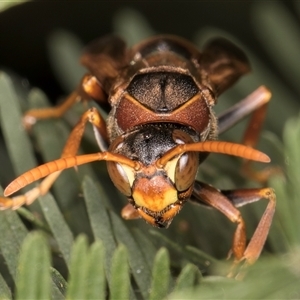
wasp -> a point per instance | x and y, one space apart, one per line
160 96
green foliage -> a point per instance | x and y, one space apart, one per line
34 266
72 244
160 275
120 280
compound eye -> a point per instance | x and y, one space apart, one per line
119 176
186 170
187 164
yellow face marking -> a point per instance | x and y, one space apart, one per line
154 194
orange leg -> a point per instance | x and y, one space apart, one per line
130 213
87 89
226 202
70 150
251 104
250 139
242 197
256 103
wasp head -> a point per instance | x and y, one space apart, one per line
157 192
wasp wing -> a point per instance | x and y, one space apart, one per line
104 58
224 62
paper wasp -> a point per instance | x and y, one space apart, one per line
159 96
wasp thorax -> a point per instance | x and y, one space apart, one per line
157 192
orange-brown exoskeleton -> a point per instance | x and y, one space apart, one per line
161 125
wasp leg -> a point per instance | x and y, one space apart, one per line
70 149
242 197
226 202
130 213
259 98
250 139
94 117
89 88
256 103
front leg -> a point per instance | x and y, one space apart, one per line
70 150
226 202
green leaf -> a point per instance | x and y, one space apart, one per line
33 278
58 226
191 253
99 220
120 283
138 264
95 278
17 141
77 282
59 285
187 278
145 244
13 232
288 190
200 257
5 292
160 275
87 277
